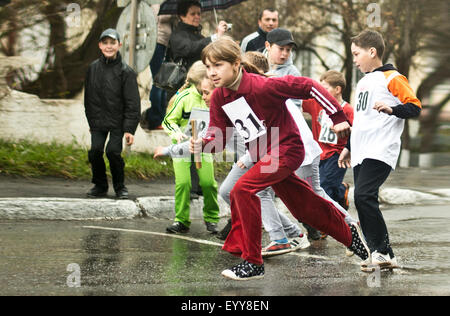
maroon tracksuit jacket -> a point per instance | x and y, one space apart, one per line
267 97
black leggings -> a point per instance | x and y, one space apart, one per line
369 176
114 154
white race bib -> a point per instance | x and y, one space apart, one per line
202 118
327 135
244 119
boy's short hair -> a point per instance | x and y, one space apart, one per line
184 5
369 38
334 78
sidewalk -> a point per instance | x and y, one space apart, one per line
60 199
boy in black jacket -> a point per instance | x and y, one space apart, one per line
113 105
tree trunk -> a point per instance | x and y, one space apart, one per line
65 76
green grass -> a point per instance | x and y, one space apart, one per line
31 159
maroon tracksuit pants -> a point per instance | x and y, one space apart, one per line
244 239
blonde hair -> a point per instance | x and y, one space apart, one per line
334 78
195 75
226 49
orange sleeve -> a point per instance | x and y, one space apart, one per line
400 88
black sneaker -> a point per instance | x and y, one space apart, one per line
244 271
223 234
313 234
358 246
97 191
212 227
177 227
122 194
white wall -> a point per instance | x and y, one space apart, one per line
25 116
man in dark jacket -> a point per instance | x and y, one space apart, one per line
267 21
112 104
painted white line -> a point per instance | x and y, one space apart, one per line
306 255
200 241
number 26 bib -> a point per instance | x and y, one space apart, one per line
327 135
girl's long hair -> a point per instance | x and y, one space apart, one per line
226 49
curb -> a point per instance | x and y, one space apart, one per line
97 209
162 207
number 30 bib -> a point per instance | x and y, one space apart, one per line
244 119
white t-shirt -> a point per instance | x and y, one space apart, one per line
375 135
312 148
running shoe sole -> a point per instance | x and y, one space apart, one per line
230 275
277 253
361 242
295 245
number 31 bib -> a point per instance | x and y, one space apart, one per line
244 119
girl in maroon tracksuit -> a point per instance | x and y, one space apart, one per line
276 163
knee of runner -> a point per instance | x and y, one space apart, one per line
361 196
239 188
184 183
208 185
224 194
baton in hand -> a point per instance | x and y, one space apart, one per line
197 157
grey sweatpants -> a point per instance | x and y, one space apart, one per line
277 224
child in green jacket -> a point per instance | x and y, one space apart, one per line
176 124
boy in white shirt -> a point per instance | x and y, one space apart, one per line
384 99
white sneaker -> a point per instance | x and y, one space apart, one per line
383 262
300 242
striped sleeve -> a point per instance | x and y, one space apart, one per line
292 87
328 103
171 120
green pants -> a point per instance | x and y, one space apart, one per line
183 189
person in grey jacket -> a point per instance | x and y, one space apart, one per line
279 47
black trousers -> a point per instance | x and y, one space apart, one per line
114 154
369 176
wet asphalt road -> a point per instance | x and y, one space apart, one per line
43 258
